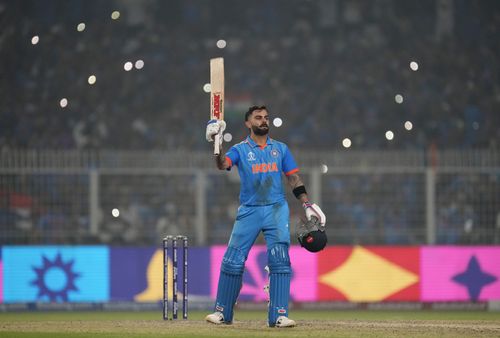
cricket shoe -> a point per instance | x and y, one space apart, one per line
283 321
215 318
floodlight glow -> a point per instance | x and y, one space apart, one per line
414 66
277 122
389 135
92 79
228 137
408 125
127 66
115 212
398 98
63 103
324 168
221 44
115 15
346 142
139 64
207 88
35 39
80 27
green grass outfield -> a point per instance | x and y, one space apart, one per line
405 323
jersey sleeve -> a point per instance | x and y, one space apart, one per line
233 156
288 163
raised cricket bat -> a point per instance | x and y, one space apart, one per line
217 95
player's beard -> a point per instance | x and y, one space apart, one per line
260 131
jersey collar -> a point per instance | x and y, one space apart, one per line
252 143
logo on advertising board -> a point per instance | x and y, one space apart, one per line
1 276
56 273
145 284
460 273
55 290
369 274
255 277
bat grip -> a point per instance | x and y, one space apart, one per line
216 144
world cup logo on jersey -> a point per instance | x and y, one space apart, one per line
250 157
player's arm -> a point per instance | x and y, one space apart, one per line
299 190
221 160
295 182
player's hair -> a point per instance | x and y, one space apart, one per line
252 109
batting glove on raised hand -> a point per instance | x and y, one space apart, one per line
215 127
312 210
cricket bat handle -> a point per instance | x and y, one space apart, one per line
216 144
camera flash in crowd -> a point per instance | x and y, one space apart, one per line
408 125
346 142
277 122
389 135
115 212
414 66
80 27
398 98
63 103
207 88
35 39
127 66
92 79
221 44
139 64
115 15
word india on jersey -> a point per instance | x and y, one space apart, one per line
264 167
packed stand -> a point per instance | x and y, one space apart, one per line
330 70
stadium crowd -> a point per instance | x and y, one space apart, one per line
329 69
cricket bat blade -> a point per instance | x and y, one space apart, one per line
217 95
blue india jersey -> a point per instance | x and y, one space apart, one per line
260 170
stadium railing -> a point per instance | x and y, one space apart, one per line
133 197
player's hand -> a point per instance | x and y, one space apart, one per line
215 127
312 210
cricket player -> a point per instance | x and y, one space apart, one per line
261 161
